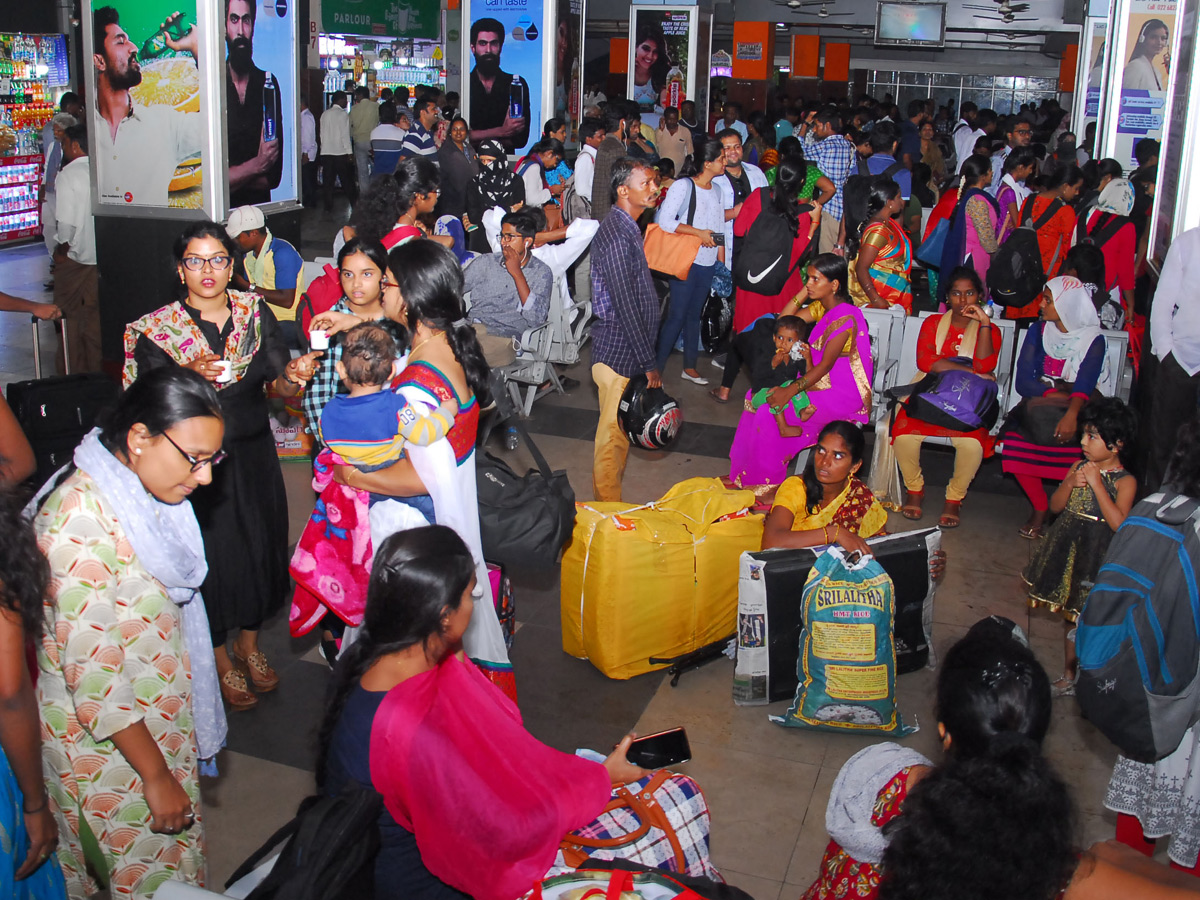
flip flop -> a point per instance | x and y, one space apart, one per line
949 517
1030 532
910 510
716 396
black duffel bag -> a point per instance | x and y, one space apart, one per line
524 521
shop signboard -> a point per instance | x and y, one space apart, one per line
662 44
261 102
387 18
504 56
1141 74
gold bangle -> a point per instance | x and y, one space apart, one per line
825 532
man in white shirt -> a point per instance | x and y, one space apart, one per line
965 133
732 112
337 154
671 141
1171 371
308 154
591 133
1019 133
52 154
739 181
137 147
76 278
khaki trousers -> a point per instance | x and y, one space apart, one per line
612 447
77 294
829 232
968 455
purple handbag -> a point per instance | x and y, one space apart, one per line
958 401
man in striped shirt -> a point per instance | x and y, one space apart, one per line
419 140
626 304
834 155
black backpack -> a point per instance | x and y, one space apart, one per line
1016 275
1137 637
1107 226
864 169
761 262
330 851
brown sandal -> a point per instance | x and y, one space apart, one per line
262 676
912 510
236 692
949 517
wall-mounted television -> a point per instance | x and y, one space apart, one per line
902 24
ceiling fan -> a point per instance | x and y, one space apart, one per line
797 4
822 13
1007 12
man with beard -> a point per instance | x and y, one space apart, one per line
255 160
491 90
136 148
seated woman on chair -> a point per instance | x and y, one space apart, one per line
945 342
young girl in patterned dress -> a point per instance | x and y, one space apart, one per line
1091 503
990 668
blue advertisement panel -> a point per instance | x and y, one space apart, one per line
261 101
1144 76
504 87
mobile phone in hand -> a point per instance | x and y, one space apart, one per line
657 751
718 239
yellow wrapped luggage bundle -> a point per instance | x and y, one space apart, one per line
656 580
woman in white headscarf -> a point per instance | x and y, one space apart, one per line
1109 227
1060 364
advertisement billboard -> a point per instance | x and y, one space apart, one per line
568 64
1144 75
383 18
260 100
149 126
505 50
661 46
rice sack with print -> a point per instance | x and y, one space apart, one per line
847 667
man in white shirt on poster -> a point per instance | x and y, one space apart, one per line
76 275
136 148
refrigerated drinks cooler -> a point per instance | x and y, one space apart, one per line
20 177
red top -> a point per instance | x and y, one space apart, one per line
749 306
843 877
1119 251
943 210
1055 234
927 355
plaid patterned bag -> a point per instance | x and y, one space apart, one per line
661 821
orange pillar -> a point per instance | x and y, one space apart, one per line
1067 69
806 56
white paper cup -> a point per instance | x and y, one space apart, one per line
226 367
318 339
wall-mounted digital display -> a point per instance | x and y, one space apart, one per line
910 24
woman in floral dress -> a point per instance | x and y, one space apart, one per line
128 685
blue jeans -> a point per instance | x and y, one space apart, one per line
683 314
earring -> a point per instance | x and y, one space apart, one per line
137 451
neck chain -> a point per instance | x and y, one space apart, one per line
419 344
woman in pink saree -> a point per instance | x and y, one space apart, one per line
837 381
473 804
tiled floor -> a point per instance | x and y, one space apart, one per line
767 785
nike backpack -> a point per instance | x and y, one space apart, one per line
761 264
1016 275
1138 636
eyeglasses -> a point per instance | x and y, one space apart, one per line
385 284
1023 131
506 236
197 263
198 463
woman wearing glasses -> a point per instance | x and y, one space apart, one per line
232 339
127 687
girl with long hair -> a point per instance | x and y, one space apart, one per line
974 227
231 339
880 250
1141 74
651 63
1060 189
708 224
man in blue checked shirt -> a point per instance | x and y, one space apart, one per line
834 155
624 299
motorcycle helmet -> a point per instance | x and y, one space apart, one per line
649 416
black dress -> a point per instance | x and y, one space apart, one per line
243 513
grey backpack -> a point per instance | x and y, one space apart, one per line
1138 636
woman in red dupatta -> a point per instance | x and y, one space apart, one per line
474 805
